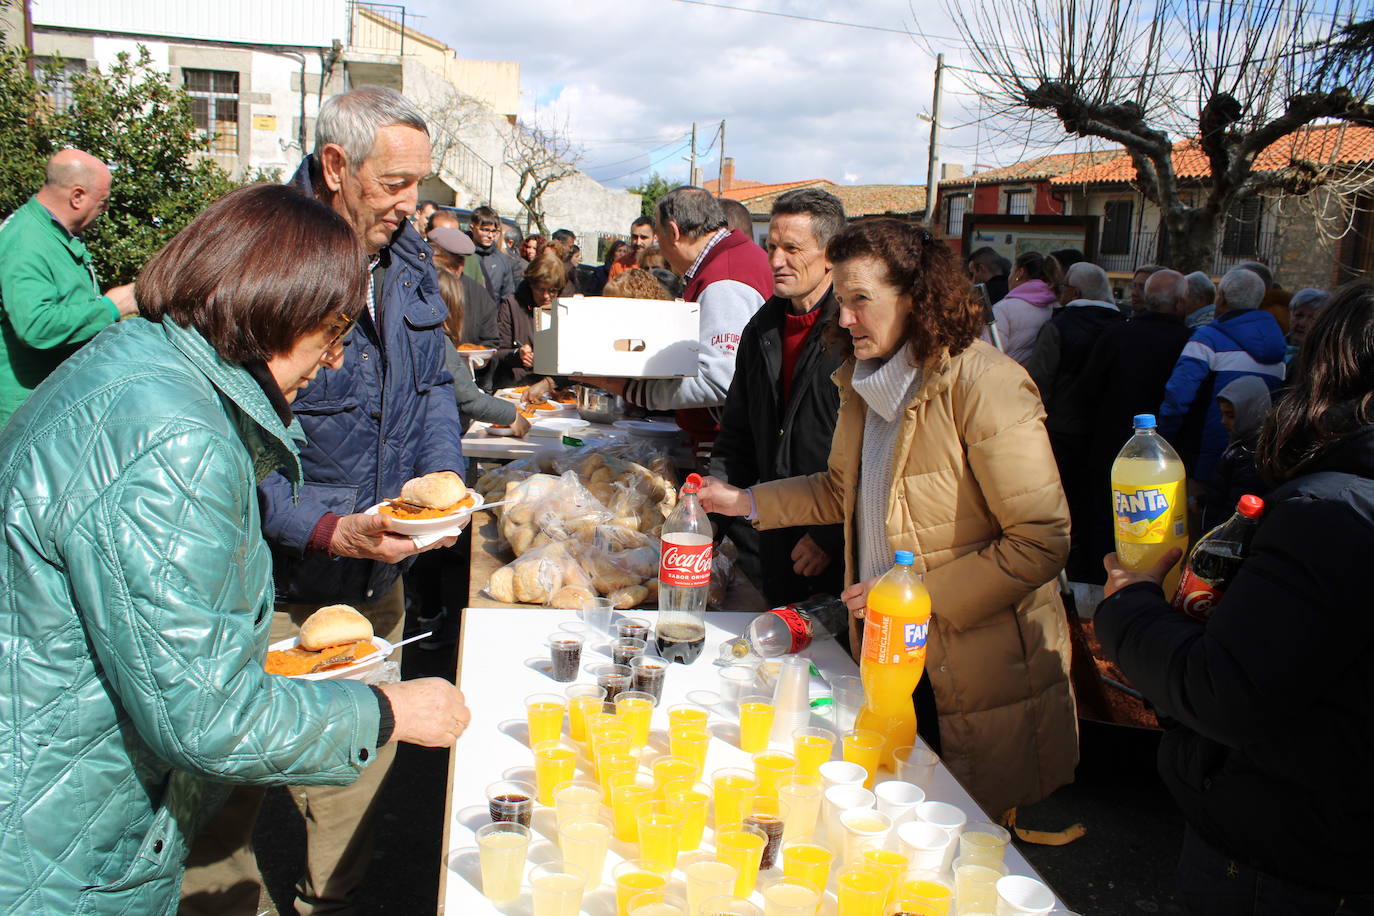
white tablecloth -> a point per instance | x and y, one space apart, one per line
503 660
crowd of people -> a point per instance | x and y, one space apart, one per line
185 486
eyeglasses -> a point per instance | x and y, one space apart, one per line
337 340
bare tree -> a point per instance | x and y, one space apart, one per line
1230 78
540 157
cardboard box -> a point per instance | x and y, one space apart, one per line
621 338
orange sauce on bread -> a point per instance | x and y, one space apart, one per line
407 512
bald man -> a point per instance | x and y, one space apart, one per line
50 303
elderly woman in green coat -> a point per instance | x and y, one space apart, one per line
135 585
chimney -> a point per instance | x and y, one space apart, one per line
951 170
727 175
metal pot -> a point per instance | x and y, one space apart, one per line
597 406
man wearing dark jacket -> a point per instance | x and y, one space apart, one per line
386 415
1124 376
497 271
781 409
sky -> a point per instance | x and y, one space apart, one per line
799 99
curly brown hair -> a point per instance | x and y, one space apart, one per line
944 313
636 283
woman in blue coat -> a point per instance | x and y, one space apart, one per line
135 584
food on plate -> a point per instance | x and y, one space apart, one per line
545 405
335 636
431 496
472 346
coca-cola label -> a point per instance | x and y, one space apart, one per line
797 625
1196 597
685 565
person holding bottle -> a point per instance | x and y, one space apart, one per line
1268 748
940 449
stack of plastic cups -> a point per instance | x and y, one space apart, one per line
791 700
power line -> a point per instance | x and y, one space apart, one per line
650 164
603 165
798 17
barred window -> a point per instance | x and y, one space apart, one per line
215 106
1018 203
955 208
1242 234
1116 227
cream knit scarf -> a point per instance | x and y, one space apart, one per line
886 387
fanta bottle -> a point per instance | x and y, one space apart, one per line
896 620
1149 501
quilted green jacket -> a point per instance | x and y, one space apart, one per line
135 602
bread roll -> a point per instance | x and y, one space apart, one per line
334 625
434 491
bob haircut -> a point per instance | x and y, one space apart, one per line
944 314
224 274
547 270
636 283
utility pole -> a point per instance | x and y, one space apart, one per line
720 174
692 178
932 176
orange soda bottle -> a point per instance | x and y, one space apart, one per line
896 621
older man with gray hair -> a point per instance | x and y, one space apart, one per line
1199 305
386 415
1241 341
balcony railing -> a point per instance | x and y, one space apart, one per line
1145 250
377 28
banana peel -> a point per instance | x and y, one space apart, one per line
1042 837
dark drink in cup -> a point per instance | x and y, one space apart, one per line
680 642
510 802
626 649
648 673
565 652
614 678
772 828
633 628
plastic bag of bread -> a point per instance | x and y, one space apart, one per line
543 509
548 575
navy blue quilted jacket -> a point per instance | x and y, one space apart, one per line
387 415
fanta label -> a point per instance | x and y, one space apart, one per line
892 641
1144 515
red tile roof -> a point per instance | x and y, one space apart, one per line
744 191
858 199
1038 169
1327 143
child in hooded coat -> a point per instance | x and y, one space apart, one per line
1244 405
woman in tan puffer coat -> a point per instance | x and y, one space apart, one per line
941 449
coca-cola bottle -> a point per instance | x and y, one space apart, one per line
684 576
1216 558
788 629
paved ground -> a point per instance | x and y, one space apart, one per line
1124 865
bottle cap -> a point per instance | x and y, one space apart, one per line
1143 421
1250 506
693 483
904 558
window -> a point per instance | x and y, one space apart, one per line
955 208
1018 203
215 106
1116 227
59 91
1241 237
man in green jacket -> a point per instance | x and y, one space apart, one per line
50 302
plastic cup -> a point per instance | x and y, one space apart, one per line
742 846
611 766
632 627
565 655
791 706
836 801
584 844
771 768
807 862
687 714
842 773
658 903
926 845
1018 895
660 832
576 800
860 892
614 678
799 797
647 673
898 800
627 795
864 829
923 894
849 699
812 747
596 613
735 681
582 698
636 709
501 849
692 801
670 769
544 715
892 864
765 814
729 905
975 884
949 817
556 890
554 764
732 788
915 764
632 878
864 747
510 802
707 878
625 649
787 899
983 840
755 721
690 743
